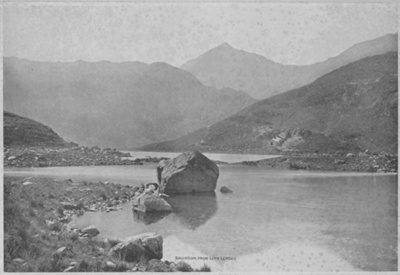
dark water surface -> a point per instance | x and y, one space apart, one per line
273 221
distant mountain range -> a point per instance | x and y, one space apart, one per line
131 104
261 78
24 131
352 108
122 105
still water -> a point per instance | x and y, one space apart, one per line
230 158
273 221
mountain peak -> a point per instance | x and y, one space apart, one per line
224 45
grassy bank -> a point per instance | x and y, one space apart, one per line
37 237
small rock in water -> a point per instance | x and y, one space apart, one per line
225 190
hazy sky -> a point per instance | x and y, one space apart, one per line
288 33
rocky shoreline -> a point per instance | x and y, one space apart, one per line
24 156
38 236
361 162
44 156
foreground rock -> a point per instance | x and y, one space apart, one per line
140 248
157 204
37 212
188 172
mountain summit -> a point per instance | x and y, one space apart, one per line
350 109
261 78
224 46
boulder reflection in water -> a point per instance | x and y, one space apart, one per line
149 217
194 210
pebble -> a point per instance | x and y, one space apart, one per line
61 249
17 261
111 264
70 268
27 183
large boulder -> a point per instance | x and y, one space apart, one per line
188 172
156 204
141 248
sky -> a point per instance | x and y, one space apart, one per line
173 32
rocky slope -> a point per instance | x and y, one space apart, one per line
353 108
121 105
260 77
24 131
28 143
39 238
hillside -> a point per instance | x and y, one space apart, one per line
261 78
350 109
122 105
19 130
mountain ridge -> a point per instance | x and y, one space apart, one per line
352 108
262 77
114 105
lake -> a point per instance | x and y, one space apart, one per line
273 221
230 158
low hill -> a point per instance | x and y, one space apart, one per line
261 78
119 105
19 130
350 109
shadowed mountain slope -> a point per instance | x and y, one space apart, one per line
352 108
19 130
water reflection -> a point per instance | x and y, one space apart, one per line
194 210
150 217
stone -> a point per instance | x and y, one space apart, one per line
156 204
184 267
157 266
140 248
70 268
61 250
339 161
17 261
189 172
349 155
90 231
69 206
110 264
225 190
27 183
12 157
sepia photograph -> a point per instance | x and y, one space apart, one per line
200 136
